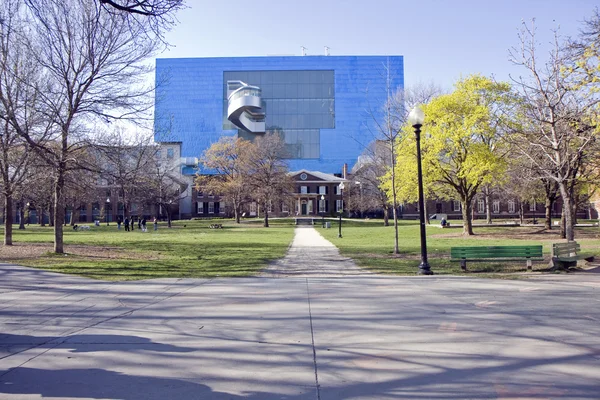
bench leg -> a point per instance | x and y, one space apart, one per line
529 265
463 265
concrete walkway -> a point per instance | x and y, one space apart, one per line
296 338
311 255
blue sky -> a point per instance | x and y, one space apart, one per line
440 40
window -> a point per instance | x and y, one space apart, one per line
253 208
532 206
511 206
456 205
211 207
200 207
496 206
321 206
481 206
170 152
303 189
221 207
270 206
322 189
339 206
284 208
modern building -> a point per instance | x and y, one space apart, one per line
326 108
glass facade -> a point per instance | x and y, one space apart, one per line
324 107
297 105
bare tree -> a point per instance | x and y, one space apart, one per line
151 17
163 186
556 132
398 103
18 102
163 9
94 66
229 159
126 160
269 181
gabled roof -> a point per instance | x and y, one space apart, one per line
321 176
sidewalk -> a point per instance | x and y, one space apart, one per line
311 255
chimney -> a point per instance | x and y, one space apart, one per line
345 171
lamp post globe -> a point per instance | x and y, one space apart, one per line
341 210
416 119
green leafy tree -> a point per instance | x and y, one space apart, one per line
462 146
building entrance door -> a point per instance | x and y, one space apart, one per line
303 208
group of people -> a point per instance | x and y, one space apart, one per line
129 224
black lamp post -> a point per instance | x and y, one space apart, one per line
416 118
107 206
341 210
322 209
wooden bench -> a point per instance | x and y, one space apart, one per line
565 254
496 253
215 226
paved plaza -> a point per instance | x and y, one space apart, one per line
312 326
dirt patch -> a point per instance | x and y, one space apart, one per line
19 251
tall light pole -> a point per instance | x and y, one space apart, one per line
416 118
341 210
107 206
322 209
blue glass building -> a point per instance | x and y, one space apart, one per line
324 106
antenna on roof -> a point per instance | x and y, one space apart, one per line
326 50
303 50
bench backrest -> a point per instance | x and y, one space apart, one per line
561 249
496 251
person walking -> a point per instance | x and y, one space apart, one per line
140 223
126 223
132 225
144 224
155 224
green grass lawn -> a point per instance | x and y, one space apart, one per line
371 245
190 251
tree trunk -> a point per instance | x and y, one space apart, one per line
488 209
21 217
8 223
386 216
521 213
466 215
236 212
72 219
42 221
59 211
51 215
567 212
548 221
266 224
563 233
